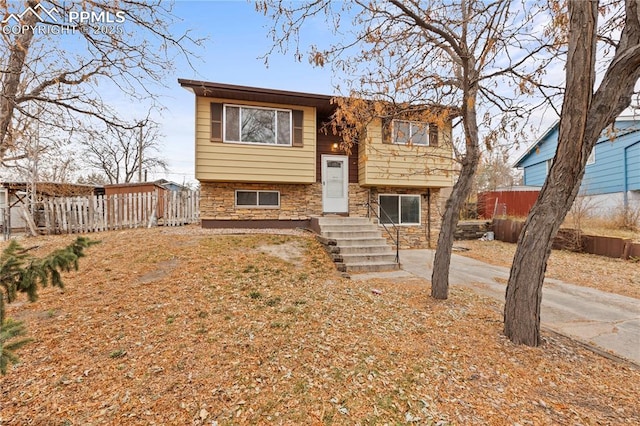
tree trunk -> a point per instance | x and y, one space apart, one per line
442 259
460 192
582 119
11 79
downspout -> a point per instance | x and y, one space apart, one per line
429 217
626 179
626 174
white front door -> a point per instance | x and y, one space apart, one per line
335 183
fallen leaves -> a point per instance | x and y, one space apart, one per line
261 329
588 270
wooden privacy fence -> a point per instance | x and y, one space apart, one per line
96 213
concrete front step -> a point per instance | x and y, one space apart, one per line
355 244
381 249
358 227
355 234
350 259
359 242
340 220
371 267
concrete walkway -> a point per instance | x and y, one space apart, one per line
604 320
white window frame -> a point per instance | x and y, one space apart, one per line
257 205
419 223
240 107
411 124
592 157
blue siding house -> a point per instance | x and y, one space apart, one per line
612 174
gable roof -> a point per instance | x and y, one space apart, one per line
620 132
534 147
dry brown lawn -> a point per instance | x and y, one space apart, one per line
599 272
184 327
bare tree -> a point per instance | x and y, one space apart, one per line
57 67
43 155
123 155
93 178
469 59
586 111
495 171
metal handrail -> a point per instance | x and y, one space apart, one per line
395 240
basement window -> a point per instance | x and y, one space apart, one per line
257 199
399 209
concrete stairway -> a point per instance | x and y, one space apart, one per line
355 244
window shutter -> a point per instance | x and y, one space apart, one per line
386 130
433 135
216 122
297 116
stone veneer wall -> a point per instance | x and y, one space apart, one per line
297 202
302 201
412 237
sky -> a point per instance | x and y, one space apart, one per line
237 39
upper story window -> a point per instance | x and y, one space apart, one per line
405 132
257 125
410 133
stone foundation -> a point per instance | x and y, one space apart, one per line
415 236
300 202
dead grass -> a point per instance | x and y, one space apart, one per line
229 332
588 270
603 227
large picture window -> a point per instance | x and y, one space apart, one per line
410 133
399 209
257 125
265 199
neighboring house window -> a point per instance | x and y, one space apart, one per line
257 125
399 209
257 198
410 133
592 157
549 164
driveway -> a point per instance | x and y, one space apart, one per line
604 320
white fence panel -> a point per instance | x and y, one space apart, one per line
95 213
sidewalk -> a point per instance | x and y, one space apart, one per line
607 321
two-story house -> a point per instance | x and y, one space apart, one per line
263 160
612 174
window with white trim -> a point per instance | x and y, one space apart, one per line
410 133
399 209
257 125
257 199
592 157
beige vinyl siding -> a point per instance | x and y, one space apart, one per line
232 162
405 166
